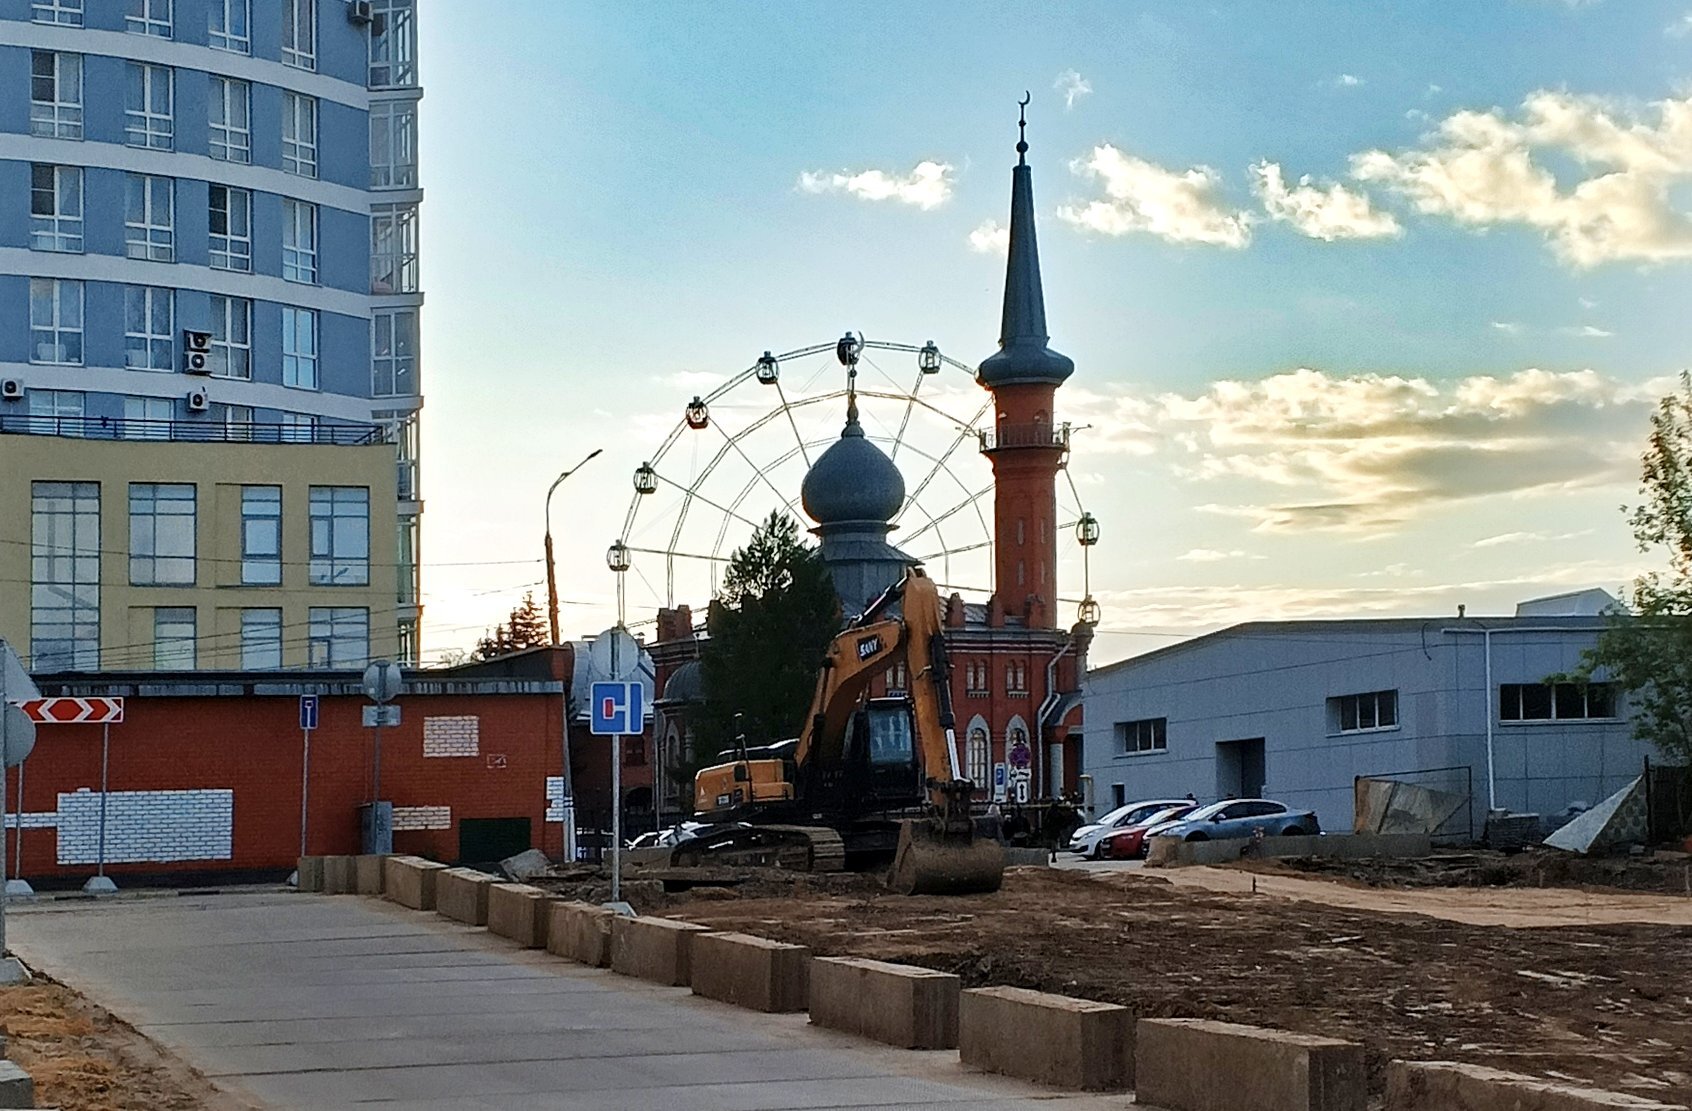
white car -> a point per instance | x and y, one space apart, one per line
1085 840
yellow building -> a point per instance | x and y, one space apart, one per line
129 548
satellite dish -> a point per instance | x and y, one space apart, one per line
19 733
614 655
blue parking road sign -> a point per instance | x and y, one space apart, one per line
617 709
308 711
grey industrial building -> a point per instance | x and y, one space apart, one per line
1297 710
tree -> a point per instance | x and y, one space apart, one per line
769 632
524 628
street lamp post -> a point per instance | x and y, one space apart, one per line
566 789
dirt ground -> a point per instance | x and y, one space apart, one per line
82 1058
1608 1005
1663 872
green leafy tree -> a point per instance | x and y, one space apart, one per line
769 631
524 628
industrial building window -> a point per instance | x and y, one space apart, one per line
299 134
230 220
147 107
64 616
173 638
393 248
393 355
979 754
261 639
229 26
161 533
66 12
232 337
55 208
340 536
299 348
1145 735
261 535
55 95
56 412
299 240
299 33
148 17
1559 702
230 110
1355 713
338 637
393 45
55 321
149 218
393 144
148 343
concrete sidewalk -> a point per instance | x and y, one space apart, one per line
300 1001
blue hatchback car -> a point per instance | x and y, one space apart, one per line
1240 818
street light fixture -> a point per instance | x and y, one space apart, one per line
551 573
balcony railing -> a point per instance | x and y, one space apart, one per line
1025 435
197 432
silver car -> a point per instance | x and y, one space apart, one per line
1085 840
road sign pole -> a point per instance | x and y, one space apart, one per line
305 783
616 818
18 841
105 764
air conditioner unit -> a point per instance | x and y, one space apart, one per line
196 352
358 11
11 389
198 401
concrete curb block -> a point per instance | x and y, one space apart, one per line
521 912
751 972
309 874
340 875
1190 1064
1049 1039
580 932
368 871
897 1004
461 894
1449 1086
17 1087
655 949
1168 852
410 881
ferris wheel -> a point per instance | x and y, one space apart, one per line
742 450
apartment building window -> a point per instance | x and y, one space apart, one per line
55 207
148 340
1145 735
64 614
1357 713
299 33
161 533
56 412
148 17
393 45
299 134
393 359
174 635
979 753
148 418
55 94
231 228
337 637
299 240
299 348
232 337
297 428
340 536
393 144
55 321
230 109
149 218
261 639
147 107
237 422
402 429
67 13
229 26
393 248
1556 702
261 535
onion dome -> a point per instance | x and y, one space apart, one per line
852 481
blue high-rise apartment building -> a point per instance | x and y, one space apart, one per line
209 226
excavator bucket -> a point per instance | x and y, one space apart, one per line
933 861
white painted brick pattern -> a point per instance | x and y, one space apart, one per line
452 736
554 798
147 826
422 817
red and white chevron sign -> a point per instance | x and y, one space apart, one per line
74 711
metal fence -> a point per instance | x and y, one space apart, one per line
1668 801
191 431
1436 801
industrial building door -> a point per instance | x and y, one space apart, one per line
1240 771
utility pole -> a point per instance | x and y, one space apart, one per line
567 787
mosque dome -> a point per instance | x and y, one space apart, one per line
687 684
852 481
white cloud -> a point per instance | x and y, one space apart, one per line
1680 28
1484 169
1586 331
1179 207
1211 555
990 236
1073 87
1347 81
1504 538
1588 303
927 186
1321 212
1508 327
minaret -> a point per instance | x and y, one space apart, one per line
1025 446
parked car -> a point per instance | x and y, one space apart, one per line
1130 843
1239 818
669 838
1086 839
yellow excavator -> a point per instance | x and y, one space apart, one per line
868 779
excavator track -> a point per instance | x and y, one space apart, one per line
796 848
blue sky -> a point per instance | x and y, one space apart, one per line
1416 379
